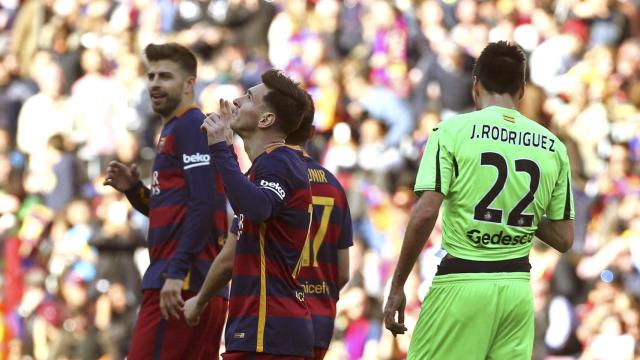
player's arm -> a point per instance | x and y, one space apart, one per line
343 267
344 243
432 184
257 200
220 271
218 277
556 229
421 223
126 179
199 175
556 233
139 196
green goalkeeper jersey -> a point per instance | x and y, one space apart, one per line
499 172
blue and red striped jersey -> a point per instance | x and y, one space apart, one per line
267 309
187 215
330 232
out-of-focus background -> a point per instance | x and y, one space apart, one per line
382 74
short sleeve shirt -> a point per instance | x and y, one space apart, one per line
500 173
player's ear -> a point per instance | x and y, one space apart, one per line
267 119
475 94
190 84
521 91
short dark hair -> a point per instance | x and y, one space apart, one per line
285 98
303 133
174 52
501 68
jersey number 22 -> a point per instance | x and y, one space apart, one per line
483 212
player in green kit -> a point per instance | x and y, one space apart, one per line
503 178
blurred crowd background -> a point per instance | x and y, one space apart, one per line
382 75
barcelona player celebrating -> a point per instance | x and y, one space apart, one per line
268 316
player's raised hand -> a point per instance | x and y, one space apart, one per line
171 298
215 128
225 110
192 311
121 177
225 115
395 304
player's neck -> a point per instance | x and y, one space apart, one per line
260 141
186 102
502 100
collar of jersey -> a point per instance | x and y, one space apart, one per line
503 110
299 148
275 146
184 110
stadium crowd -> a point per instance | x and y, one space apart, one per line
382 74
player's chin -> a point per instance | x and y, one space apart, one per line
159 109
234 126
165 107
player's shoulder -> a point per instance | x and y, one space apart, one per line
284 152
538 128
190 118
455 123
283 159
314 164
324 175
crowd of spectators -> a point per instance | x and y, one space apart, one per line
382 74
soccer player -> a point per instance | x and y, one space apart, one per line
268 316
503 178
187 216
325 258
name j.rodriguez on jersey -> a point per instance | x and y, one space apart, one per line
514 137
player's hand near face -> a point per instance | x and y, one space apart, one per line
171 298
395 303
121 177
225 114
192 310
217 126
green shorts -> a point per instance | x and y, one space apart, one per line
476 316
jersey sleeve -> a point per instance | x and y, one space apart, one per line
436 166
139 197
561 205
271 176
199 175
259 199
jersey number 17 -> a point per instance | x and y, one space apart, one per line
309 256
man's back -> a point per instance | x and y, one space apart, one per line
330 232
267 310
502 179
500 173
